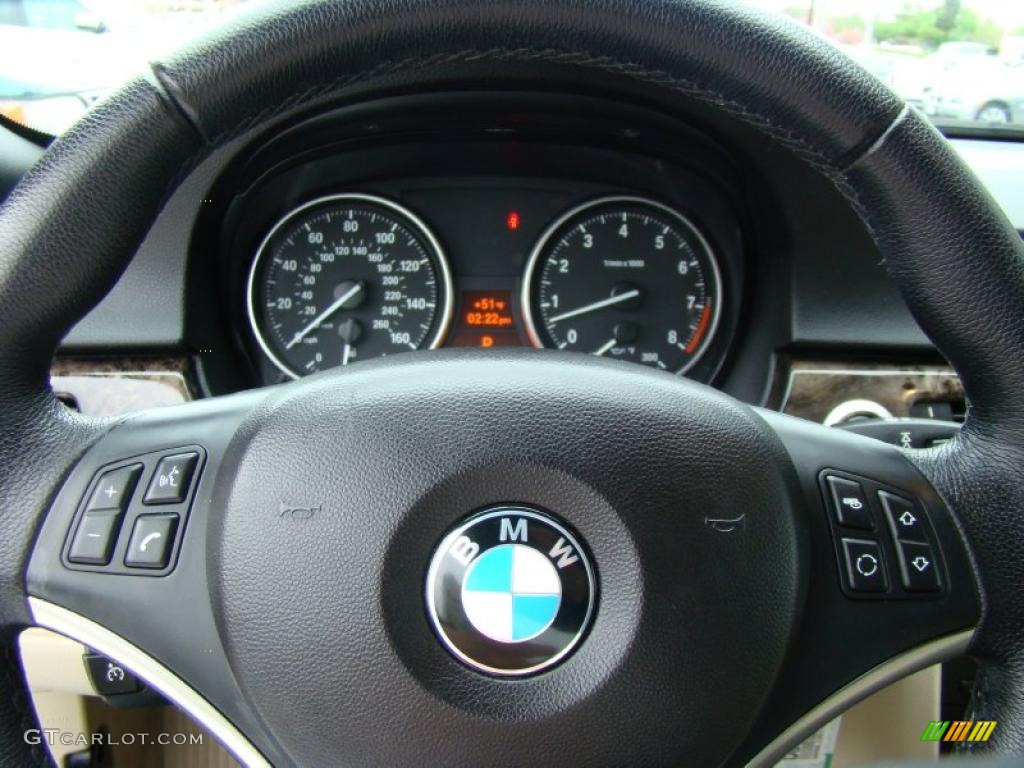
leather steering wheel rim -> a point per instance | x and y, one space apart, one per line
70 227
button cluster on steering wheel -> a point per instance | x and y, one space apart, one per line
120 530
854 505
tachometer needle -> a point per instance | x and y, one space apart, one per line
605 347
315 323
618 299
345 352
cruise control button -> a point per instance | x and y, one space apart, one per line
114 489
108 677
906 521
150 544
850 503
865 568
172 478
918 569
94 539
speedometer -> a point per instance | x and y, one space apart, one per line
346 278
627 278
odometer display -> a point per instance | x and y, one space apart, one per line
346 278
625 278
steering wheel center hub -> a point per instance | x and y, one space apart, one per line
435 481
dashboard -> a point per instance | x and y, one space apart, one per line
681 241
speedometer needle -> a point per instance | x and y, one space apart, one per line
618 299
604 347
315 323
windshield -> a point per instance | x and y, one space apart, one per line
961 62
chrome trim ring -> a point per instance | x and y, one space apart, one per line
850 408
446 275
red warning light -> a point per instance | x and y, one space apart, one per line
512 221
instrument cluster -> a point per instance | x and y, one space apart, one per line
565 224
354 275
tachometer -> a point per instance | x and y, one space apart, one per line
624 277
346 278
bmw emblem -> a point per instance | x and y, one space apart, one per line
510 591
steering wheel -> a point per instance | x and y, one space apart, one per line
304 639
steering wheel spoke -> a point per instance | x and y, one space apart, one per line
120 563
890 588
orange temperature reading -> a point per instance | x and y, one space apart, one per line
487 310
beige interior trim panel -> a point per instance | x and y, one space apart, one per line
101 639
895 669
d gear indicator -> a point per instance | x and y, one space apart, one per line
486 320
